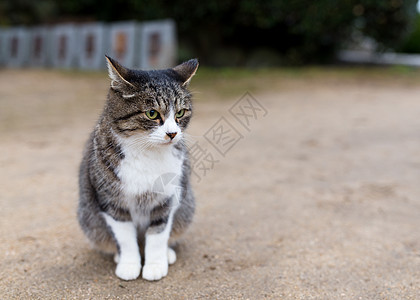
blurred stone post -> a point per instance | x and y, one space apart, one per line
16 47
2 46
94 42
39 46
64 46
124 37
157 45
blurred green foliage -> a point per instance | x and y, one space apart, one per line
412 43
241 32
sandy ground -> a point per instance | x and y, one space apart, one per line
319 199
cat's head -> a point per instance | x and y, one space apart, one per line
152 107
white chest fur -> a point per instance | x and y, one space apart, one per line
139 171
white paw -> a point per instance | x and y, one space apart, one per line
128 271
155 271
116 258
171 256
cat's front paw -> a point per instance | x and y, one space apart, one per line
155 271
128 271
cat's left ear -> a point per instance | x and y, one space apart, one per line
118 74
186 70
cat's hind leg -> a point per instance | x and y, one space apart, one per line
116 257
171 256
183 216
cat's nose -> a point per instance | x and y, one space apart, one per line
171 134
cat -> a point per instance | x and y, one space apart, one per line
134 177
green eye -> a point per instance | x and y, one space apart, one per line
152 114
180 114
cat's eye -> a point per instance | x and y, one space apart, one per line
180 114
152 114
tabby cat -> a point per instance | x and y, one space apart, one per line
135 174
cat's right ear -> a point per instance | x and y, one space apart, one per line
117 73
186 71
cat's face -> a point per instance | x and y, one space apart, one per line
152 108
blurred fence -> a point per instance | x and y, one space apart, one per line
143 45
371 57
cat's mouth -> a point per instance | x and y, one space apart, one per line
165 142
168 142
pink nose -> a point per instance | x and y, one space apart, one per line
171 134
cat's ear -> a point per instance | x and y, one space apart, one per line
186 70
117 73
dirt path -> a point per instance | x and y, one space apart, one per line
319 199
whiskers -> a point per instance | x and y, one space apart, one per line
152 141
139 143
189 139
